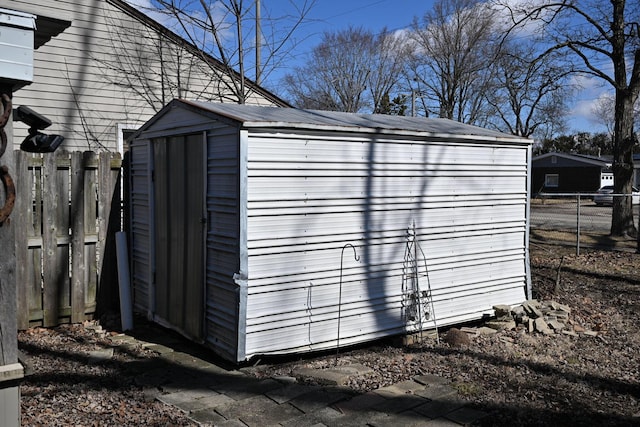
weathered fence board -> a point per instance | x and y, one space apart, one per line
65 217
22 210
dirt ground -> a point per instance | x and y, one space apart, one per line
518 378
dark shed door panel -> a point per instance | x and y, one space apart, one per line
179 218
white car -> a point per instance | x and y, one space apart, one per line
604 196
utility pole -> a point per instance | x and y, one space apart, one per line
258 42
17 31
413 103
417 93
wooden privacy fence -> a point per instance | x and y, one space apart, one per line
66 215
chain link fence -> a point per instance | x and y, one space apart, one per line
575 219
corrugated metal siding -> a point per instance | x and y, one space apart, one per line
309 195
223 239
141 225
179 190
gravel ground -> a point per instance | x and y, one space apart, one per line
519 378
70 385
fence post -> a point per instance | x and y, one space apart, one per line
578 226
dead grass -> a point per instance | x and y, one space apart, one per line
587 240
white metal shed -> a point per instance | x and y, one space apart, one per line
246 223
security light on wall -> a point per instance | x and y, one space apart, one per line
36 142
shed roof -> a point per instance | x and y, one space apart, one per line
250 116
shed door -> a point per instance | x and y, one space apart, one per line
180 225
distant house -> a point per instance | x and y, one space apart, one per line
569 173
111 69
574 173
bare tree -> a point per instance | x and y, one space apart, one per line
226 30
390 53
350 70
156 67
529 95
604 111
604 39
453 45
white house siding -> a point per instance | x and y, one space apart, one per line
104 71
310 195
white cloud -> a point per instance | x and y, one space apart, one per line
147 7
512 11
192 19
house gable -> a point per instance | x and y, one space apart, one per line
112 70
568 160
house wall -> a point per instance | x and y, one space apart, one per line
311 195
570 179
109 71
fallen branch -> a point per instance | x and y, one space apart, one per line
556 288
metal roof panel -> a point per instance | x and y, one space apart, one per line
259 116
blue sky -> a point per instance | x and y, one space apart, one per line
333 15
375 15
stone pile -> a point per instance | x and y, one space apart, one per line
544 317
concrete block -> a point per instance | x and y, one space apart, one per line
179 397
405 419
399 389
430 379
361 402
486 331
246 388
208 416
518 310
323 417
560 307
317 399
13 371
99 356
338 375
10 406
555 325
285 394
259 411
502 310
439 408
364 418
541 326
437 392
466 416
532 310
400 403
501 325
